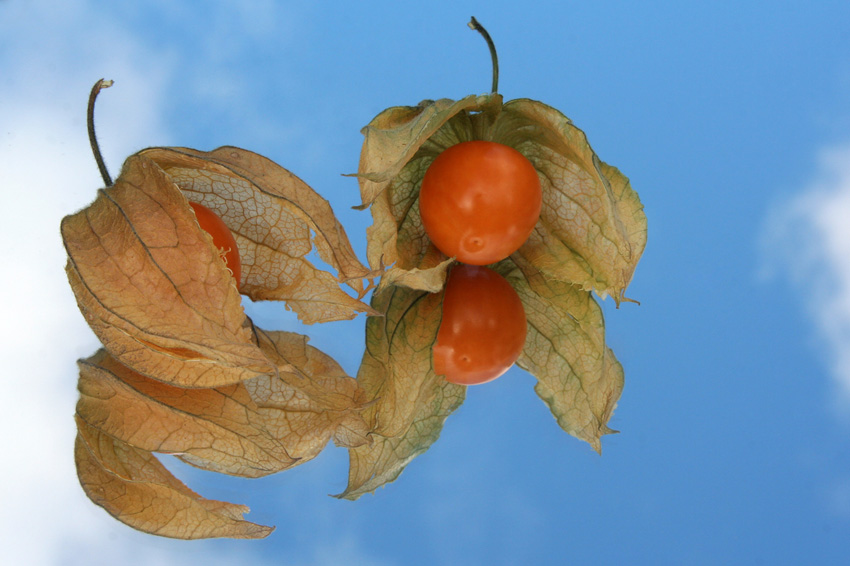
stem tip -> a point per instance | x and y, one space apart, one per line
474 25
95 147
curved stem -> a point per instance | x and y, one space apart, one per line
473 24
95 147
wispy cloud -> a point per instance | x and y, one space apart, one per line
837 498
809 237
45 172
50 59
52 55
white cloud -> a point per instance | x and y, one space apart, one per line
45 172
809 236
52 56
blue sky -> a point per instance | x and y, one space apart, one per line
732 120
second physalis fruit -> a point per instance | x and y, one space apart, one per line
483 329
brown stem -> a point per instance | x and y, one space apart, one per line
473 24
95 147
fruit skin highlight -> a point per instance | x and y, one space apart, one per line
222 238
483 329
479 201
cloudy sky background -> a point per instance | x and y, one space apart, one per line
732 122
816 223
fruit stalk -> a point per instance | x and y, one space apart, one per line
95 147
474 25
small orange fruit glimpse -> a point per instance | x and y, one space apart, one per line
222 238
